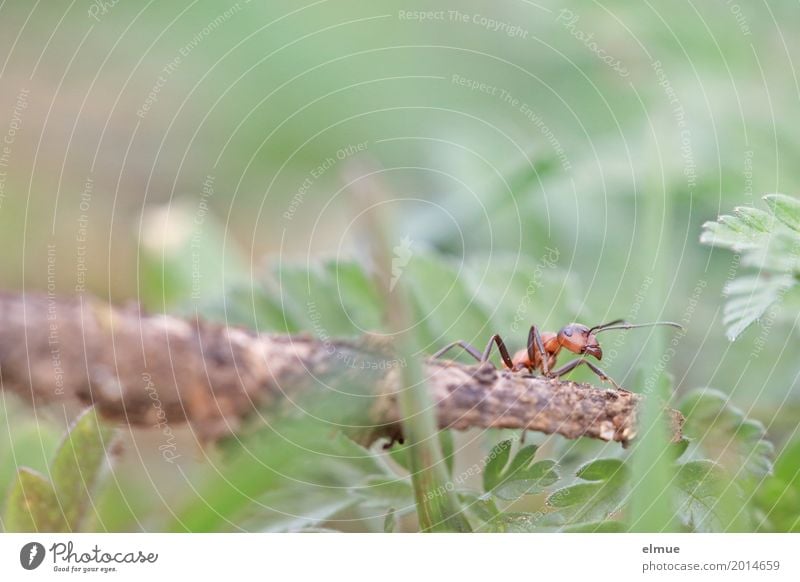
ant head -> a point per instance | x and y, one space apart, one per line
579 339
582 340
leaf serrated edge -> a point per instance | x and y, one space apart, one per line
784 208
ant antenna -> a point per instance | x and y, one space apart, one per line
615 322
622 324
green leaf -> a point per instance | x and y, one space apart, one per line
749 298
77 465
778 497
37 504
250 306
786 209
522 460
31 505
357 294
607 526
390 521
722 434
601 470
340 298
309 296
680 447
446 306
755 218
513 522
260 484
700 485
724 233
26 442
498 459
575 495
378 492
290 509
598 497
738 454
481 508
769 242
521 476
535 479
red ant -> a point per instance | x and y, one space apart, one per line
543 348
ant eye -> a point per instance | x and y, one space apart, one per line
568 332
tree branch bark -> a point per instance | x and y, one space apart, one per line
147 369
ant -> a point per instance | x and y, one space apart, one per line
543 349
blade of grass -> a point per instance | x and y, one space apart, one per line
438 509
650 501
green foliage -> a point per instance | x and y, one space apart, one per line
438 508
587 505
399 453
390 522
78 464
588 203
340 299
749 297
511 477
700 486
699 493
608 526
378 492
58 505
785 209
598 494
335 299
729 458
30 443
652 467
31 505
778 497
513 522
767 241
723 434
297 473
293 475
711 477
448 299
522 476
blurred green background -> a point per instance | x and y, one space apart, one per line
560 161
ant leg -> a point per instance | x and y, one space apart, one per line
535 343
501 346
567 368
471 350
481 357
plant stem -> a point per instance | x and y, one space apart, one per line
437 506
438 509
651 498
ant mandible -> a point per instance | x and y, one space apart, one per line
543 349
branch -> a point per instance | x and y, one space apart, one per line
146 369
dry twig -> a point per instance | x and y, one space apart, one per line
68 349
